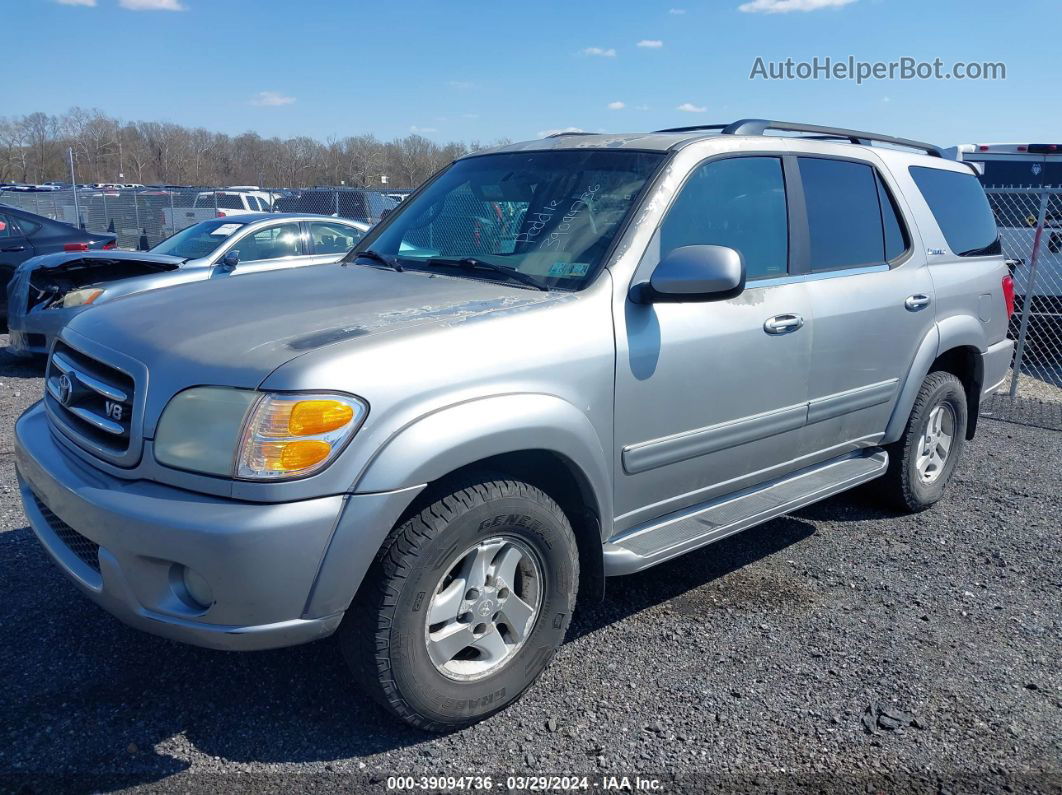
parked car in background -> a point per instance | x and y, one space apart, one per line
354 203
662 340
24 235
218 204
46 292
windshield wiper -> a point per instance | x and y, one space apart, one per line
470 263
378 257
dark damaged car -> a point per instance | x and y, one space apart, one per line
47 291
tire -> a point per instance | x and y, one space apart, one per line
388 642
913 483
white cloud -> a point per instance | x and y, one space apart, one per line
689 107
785 6
89 3
469 115
547 133
153 5
462 85
600 52
676 11
421 130
651 44
617 105
271 99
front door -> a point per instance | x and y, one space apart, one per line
711 397
270 248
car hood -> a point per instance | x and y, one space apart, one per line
61 259
234 330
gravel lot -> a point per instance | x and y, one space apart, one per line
841 648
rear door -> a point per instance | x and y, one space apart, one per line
872 298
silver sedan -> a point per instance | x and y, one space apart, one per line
46 291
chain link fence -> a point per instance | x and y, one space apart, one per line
142 217
1030 226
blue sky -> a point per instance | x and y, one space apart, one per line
484 69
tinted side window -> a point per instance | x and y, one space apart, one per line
228 201
738 202
896 239
844 214
959 205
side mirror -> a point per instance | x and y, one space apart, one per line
693 273
231 259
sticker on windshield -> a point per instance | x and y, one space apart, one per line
562 269
226 229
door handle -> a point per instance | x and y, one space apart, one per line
783 324
14 248
916 302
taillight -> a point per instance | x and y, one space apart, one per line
109 245
219 213
75 247
1008 295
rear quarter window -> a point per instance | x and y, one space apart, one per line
961 210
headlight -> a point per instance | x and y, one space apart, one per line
82 297
255 436
291 435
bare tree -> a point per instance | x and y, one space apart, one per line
33 147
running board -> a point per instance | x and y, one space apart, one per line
679 532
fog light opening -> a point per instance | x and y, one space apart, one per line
191 587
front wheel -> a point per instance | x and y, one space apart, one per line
465 604
922 461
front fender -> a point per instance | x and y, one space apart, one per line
450 438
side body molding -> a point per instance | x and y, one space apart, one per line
458 435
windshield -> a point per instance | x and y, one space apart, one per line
550 215
199 240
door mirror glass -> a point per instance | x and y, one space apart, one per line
231 259
693 273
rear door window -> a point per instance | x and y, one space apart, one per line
333 238
737 202
961 209
844 214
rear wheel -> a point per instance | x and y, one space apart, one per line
465 605
922 461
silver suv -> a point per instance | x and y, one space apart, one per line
558 361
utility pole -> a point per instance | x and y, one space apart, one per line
73 187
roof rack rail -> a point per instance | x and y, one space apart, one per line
761 126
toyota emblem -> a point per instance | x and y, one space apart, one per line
66 389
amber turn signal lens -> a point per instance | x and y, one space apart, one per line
312 417
291 456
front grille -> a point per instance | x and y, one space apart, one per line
86 550
93 399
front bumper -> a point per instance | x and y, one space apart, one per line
280 573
